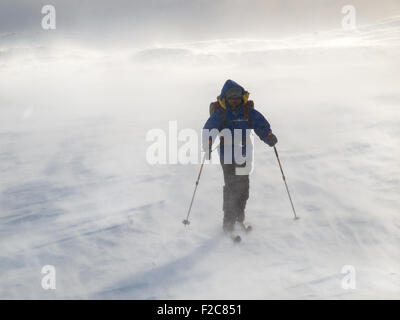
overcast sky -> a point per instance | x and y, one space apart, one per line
149 21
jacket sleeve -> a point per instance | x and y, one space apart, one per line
260 125
213 122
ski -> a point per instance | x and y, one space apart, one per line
233 236
245 228
236 238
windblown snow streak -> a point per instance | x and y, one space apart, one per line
76 191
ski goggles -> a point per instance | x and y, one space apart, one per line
234 93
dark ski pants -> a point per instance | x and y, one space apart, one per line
235 195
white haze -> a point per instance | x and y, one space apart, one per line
76 191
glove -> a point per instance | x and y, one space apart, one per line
271 139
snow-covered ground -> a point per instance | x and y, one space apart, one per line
77 193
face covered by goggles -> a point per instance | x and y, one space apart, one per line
234 93
234 98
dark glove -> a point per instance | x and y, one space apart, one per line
271 139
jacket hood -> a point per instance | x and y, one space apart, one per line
231 84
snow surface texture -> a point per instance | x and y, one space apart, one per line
77 192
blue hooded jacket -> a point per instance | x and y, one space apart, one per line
235 120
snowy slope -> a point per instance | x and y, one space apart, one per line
77 192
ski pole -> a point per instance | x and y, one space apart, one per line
186 221
284 179
206 156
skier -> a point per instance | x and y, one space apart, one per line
234 111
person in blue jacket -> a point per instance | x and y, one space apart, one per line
232 118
